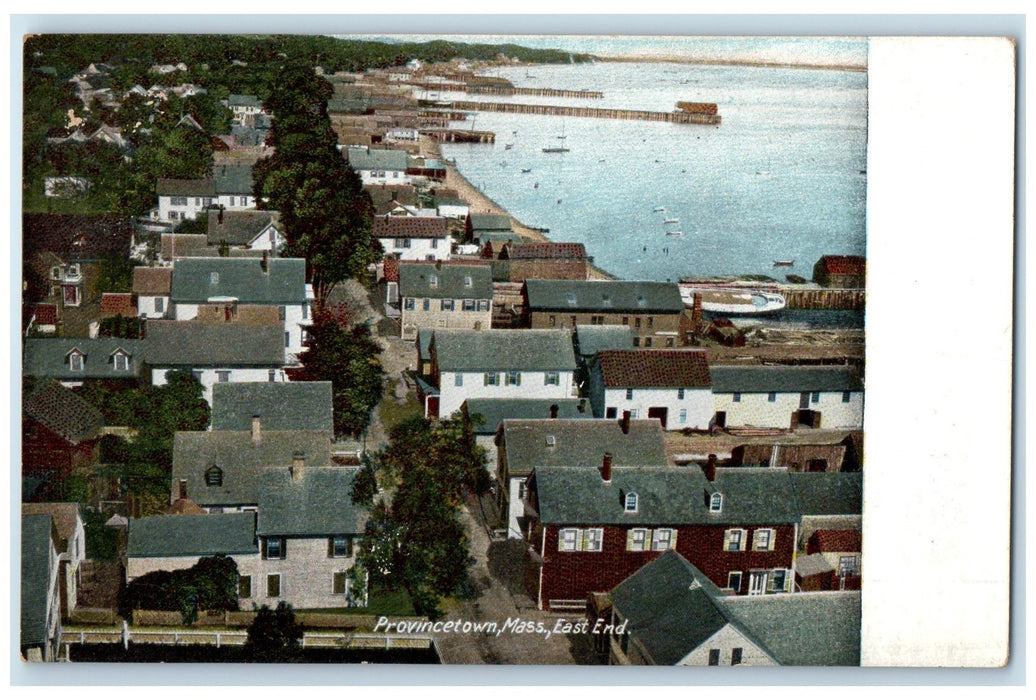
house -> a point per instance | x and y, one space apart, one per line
389 199
652 309
73 360
841 551
244 108
215 353
841 271
280 406
835 455
378 166
60 431
229 188
152 287
404 134
488 414
71 546
66 187
431 168
518 364
526 444
440 295
412 237
590 528
672 386
787 397
590 340
40 589
702 626
450 206
275 282
254 230
478 225
545 261
40 318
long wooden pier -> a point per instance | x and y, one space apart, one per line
460 135
536 92
680 117
853 299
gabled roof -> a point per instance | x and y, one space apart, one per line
37 540
190 343
237 227
152 281
783 379
495 411
844 264
450 281
812 564
240 459
77 236
836 541
409 227
65 516
170 187
544 251
244 101
654 369
49 357
591 340
196 280
670 608
233 179
279 405
382 195
581 443
64 412
489 222
317 503
503 350
376 159
191 535
613 296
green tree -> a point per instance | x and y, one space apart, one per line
365 486
115 275
349 360
274 636
211 584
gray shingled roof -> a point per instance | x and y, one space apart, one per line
317 503
611 296
171 187
48 357
376 159
670 608
424 343
415 280
494 411
192 343
64 412
244 101
801 629
242 278
501 350
812 564
280 405
192 535
237 227
828 493
783 379
240 459
593 339
481 223
233 179
36 575
581 443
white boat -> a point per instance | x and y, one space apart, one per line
733 302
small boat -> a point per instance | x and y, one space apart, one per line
674 233
555 150
659 209
671 221
783 263
508 146
526 170
733 301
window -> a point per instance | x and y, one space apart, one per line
467 282
273 586
282 313
75 361
594 539
408 304
680 394
271 375
433 281
551 379
233 202
597 320
273 548
196 373
553 321
338 580
401 243
483 304
737 397
816 397
662 539
735 656
446 305
716 503
633 414
683 415
629 394
305 311
568 538
458 379
159 305
340 546
491 379
734 581
244 587
514 379
778 581
636 540
636 322
849 566
631 503
772 396
213 278
625 320
669 342
611 412
647 342
435 243
213 476
426 304
574 539
223 376
762 540
713 657
469 304
733 540
651 321
846 396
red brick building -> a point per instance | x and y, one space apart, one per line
60 431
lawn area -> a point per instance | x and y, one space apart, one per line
380 602
392 412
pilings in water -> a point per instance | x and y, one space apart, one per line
537 92
460 135
680 117
853 299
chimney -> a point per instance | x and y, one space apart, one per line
219 217
625 423
553 410
264 265
298 466
696 310
183 488
710 468
257 433
606 468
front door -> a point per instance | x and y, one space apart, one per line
757 582
659 412
721 419
433 407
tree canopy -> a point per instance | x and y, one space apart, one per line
211 584
274 635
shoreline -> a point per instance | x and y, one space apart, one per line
686 60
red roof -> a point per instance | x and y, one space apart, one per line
152 281
392 269
46 314
836 541
113 304
681 369
409 227
541 251
844 264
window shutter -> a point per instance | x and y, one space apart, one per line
583 538
284 548
769 582
330 547
726 541
672 539
629 540
757 539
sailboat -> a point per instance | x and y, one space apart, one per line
558 149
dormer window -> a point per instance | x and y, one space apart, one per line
551 441
467 282
433 281
213 476
120 360
76 361
716 503
641 302
213 278
571 299
631 502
